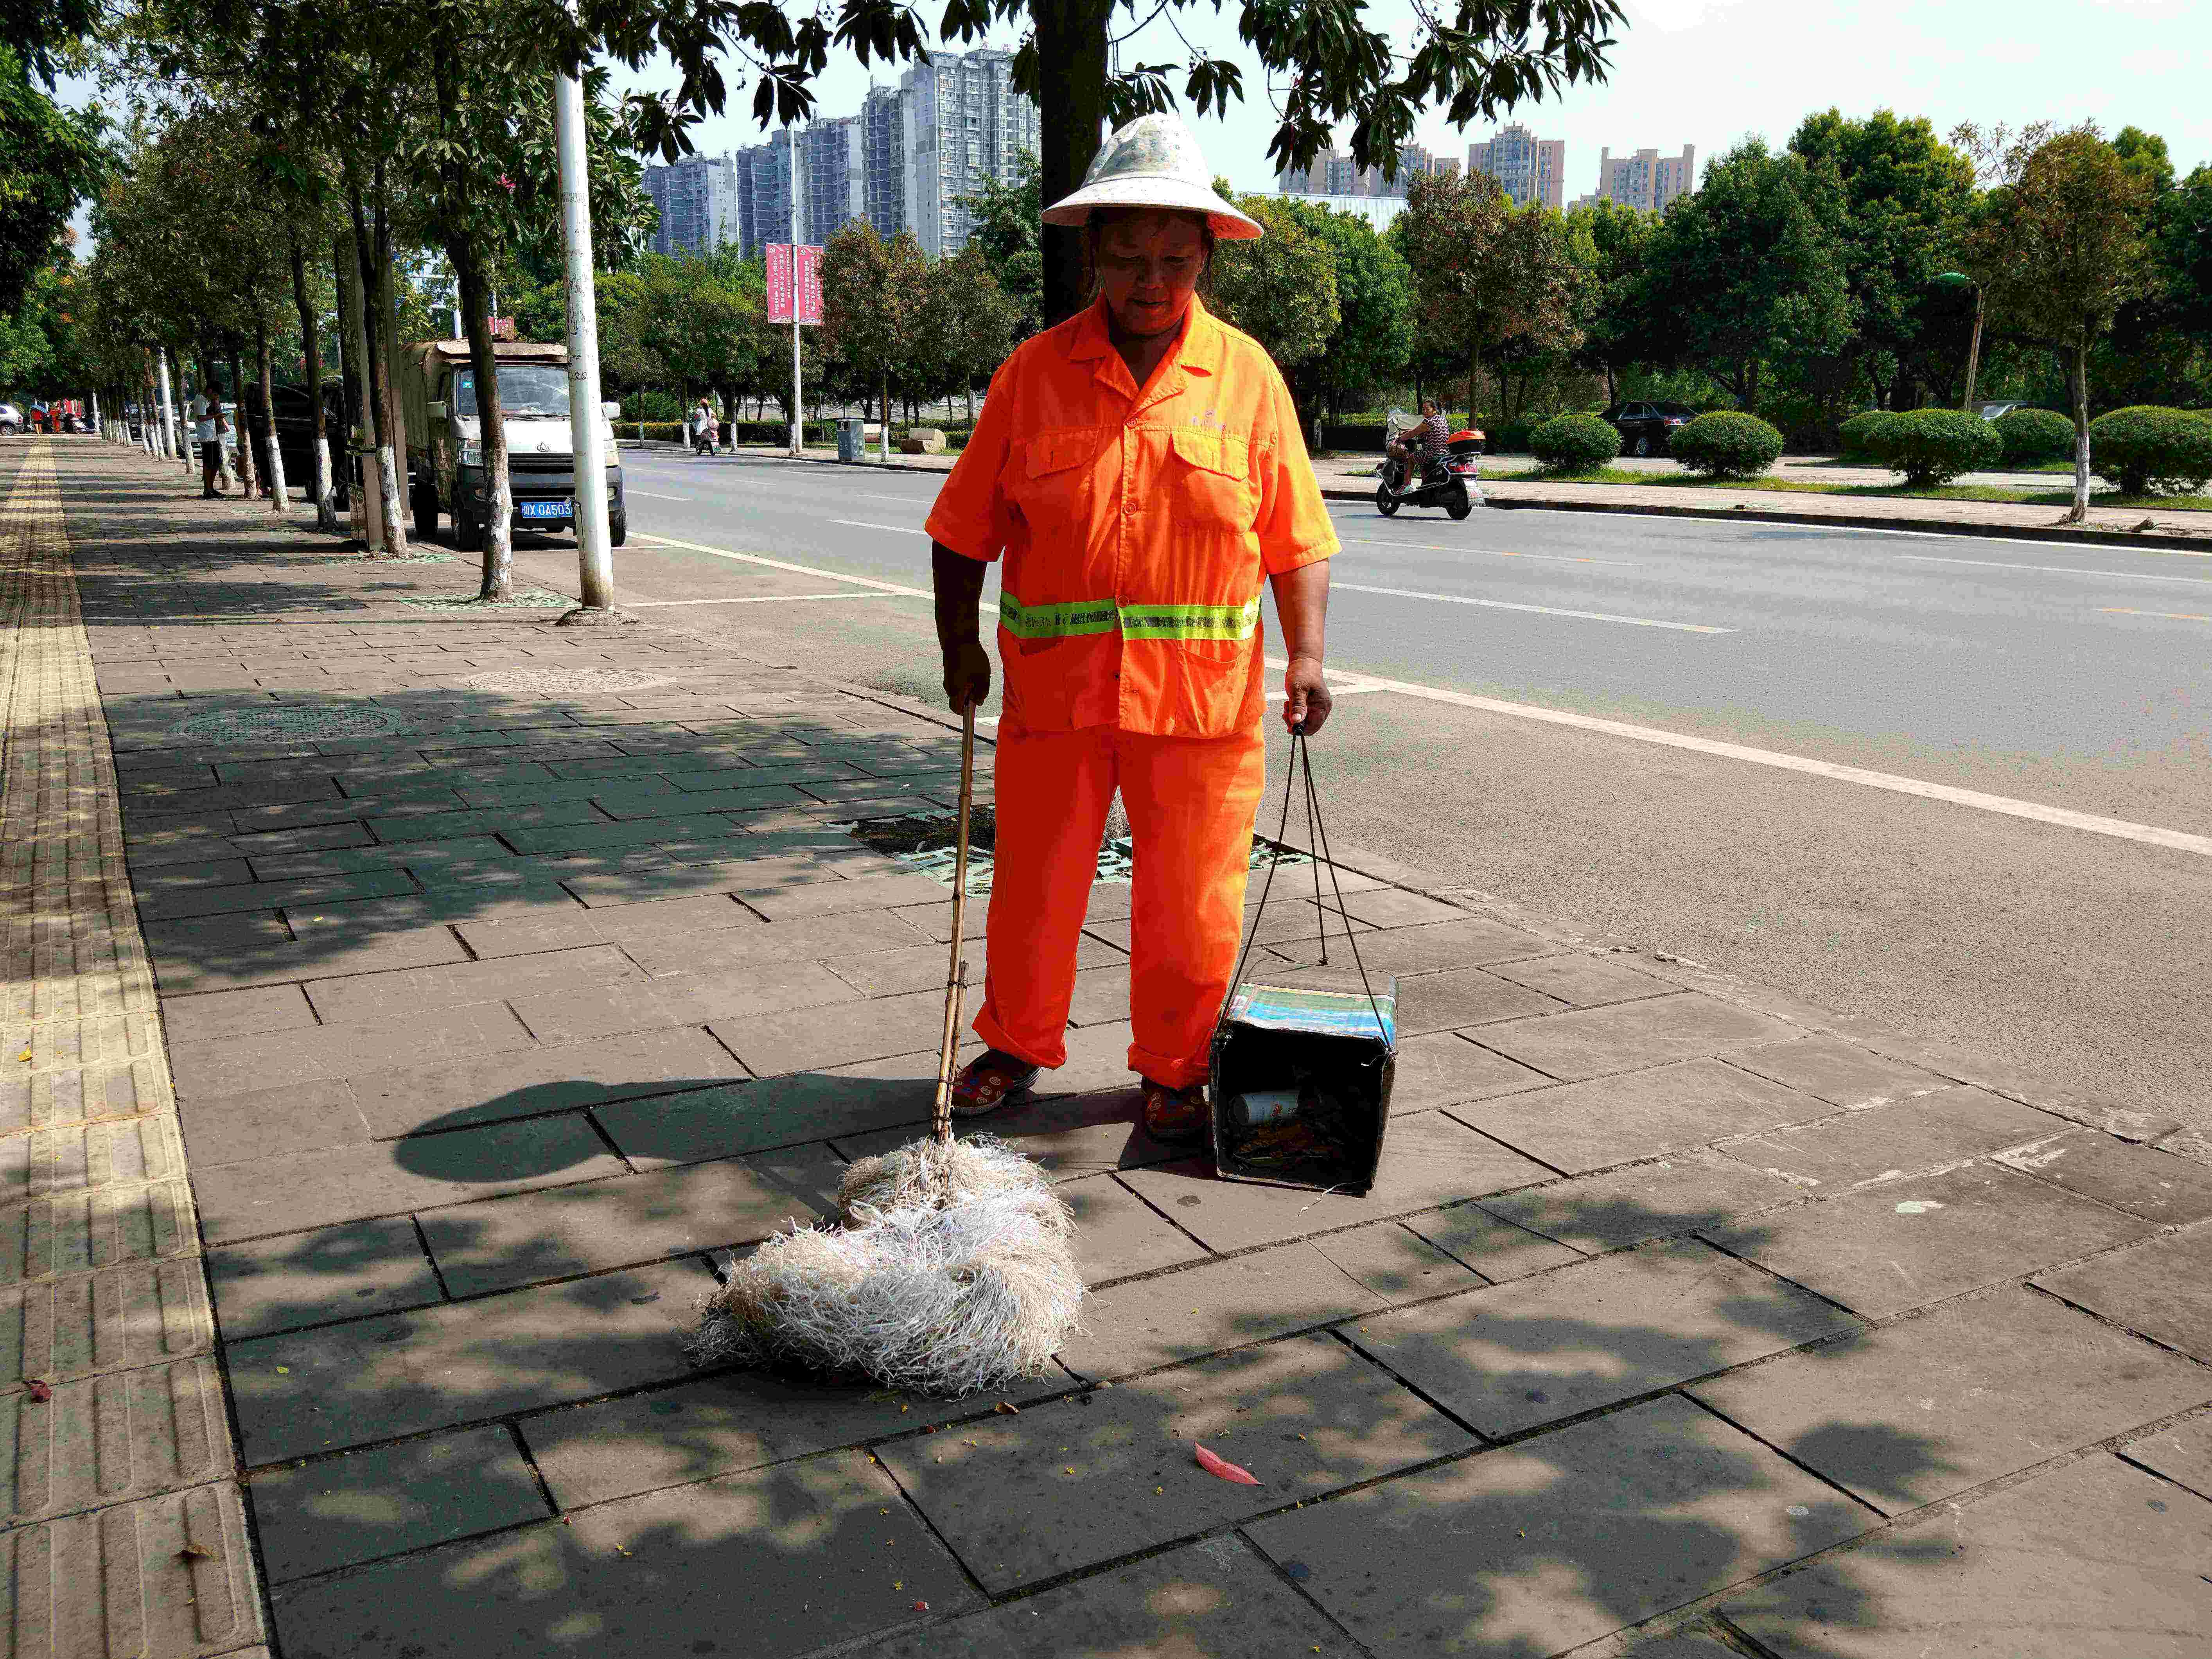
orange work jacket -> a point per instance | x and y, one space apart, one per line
1136 526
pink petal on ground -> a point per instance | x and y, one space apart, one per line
1223 1468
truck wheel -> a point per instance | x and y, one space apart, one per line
425 496
468 532
1386 500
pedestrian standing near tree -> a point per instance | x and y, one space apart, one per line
1140 468
209 427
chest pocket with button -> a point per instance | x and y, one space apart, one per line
1053 486
1207 480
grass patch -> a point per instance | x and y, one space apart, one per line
1617 475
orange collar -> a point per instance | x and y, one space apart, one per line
1199 349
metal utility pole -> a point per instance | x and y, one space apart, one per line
587 445
798 402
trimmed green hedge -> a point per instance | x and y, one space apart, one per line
1726 445
2034 435
1857 432
2148 451
1574 443
1934 446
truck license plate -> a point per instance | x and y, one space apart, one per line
544 509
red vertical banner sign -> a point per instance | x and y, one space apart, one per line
780 283
807 283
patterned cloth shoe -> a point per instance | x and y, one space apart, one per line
994 1078
1176 1116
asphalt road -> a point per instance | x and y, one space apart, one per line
1568 700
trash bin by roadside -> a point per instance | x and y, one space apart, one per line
850 444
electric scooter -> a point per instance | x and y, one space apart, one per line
1449 481
704 440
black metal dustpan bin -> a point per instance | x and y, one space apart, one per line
1301 1083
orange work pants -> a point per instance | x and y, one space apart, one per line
1190 802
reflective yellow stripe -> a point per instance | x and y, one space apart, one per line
1056 622
1191 622
1140 622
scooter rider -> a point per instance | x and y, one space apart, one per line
1429 440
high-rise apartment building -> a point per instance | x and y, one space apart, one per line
1531 169
1646 180
1332 174
904 162
701 206
964 125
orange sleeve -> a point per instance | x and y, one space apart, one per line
1294 526
969 516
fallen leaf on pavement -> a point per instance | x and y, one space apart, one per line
921 1606
1223 1468
194 1552
1009 1411
40 1390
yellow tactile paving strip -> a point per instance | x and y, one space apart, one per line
121 1528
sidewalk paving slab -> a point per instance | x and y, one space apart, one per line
2162 1289
1983 1387
2183 1453
766 1564
1511 1357
1903 1244
2096 1557
1216 1598
1095 1477
1537 1547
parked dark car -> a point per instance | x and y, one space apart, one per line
1645 427
295 435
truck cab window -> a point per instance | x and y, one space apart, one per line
529 389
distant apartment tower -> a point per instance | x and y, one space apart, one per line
1530 169
1332 174
962 124
1646 180
700 203
904 162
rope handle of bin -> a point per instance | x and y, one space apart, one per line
1317 844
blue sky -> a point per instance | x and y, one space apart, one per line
1708 72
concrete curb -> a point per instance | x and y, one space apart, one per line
1933 526
2201 544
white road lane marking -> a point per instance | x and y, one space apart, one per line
1540 610
655 496
784 564
862 524
763 598
2149 835
1487 552
2171 616
2058 569
1821 527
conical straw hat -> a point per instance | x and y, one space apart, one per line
1154 162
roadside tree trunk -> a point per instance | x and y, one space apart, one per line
249 473
276 487
353 352
376 376
1071 38
2078 372
499 493
326 512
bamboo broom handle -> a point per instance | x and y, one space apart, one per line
956 968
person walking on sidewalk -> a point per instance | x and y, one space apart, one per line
1139 467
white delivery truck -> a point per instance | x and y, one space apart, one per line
445 441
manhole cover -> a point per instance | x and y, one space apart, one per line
254 725
563 682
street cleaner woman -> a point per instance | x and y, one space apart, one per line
1140 468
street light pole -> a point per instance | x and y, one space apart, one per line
586 444
798 428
